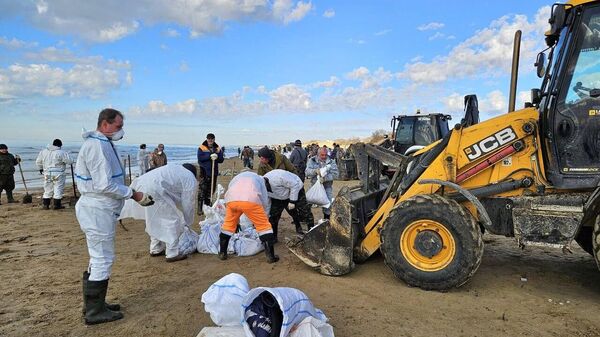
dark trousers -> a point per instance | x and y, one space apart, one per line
7 183
300 214
204 190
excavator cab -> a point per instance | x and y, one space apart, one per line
413 132
532 174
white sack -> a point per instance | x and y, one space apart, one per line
222 331
188 241
317 195
223 299
293 303
312 327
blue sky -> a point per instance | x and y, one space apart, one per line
254 71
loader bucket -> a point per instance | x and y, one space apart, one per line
328 246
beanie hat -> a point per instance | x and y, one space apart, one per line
297 142
210 136
57 142
3 147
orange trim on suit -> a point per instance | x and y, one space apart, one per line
254 212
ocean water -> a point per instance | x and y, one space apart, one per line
28 152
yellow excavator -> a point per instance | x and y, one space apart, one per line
531 174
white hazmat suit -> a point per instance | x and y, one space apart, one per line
174 190
53 161
99 177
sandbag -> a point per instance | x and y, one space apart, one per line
246 242
223 299
294 304
188 241
312 327
317 195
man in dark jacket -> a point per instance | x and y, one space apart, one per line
298 158
272 160
209 155
7 170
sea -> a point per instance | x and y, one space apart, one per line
28 151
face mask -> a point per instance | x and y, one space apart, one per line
116 136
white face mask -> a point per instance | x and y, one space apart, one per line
116 136
159 152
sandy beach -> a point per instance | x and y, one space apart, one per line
530 292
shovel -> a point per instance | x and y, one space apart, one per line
212 182
27 199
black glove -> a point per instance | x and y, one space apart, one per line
41 171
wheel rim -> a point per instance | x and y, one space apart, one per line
427 245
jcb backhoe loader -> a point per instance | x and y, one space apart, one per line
531 174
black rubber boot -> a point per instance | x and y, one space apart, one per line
46 203
10 198
223 244
326 216
267 241
57 204
96 311
86 276
299 229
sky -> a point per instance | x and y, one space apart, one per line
255 71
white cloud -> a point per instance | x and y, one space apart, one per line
42 79
110 20
329 13
357 41
332 82
437 35
431 26
73 76
383 32
16 43
184 67
171 32
486 54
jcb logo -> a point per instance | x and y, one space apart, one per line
490 143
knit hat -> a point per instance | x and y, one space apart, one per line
210 136
57 142
3 147
297 142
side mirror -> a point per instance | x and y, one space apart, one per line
536 96
540 64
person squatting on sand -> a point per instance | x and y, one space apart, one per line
286 191
247 194
173 188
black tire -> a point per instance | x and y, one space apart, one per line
456 220
596 241
584 239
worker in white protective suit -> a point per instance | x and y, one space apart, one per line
100 181
52 162
174 189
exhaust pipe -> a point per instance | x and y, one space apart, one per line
514 74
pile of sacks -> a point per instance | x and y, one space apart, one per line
241 311
243 243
